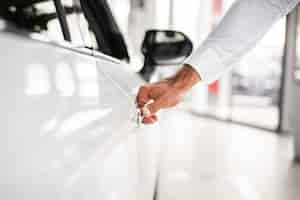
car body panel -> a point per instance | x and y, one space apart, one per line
66 126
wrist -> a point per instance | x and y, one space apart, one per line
186 78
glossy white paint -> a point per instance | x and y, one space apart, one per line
66 128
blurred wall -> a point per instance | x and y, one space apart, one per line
295 118
291 100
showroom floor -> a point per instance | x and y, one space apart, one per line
206 159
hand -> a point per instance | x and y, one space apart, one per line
166 93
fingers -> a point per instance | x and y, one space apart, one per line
157 105
152 106
142 96
150 120
144 99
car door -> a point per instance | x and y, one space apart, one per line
121 74
66 124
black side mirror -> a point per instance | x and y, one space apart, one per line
164 47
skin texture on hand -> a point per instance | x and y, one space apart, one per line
166 93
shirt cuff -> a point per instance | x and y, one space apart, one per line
207 63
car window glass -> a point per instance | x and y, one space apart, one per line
72 12
50 27
33 16
100 30
81 34
84 32
41 17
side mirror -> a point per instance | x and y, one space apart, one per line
164 47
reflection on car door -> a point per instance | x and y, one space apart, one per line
62 122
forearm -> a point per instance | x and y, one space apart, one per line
239 31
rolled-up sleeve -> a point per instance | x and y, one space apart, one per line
246 22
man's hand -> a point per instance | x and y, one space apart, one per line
166 93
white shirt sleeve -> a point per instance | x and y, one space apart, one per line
243 26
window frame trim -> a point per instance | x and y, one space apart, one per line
61 15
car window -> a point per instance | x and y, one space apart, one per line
40 16
35 17
89 23
105 34
81 33
84 33
72 13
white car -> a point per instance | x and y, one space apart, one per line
68 102
66 121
